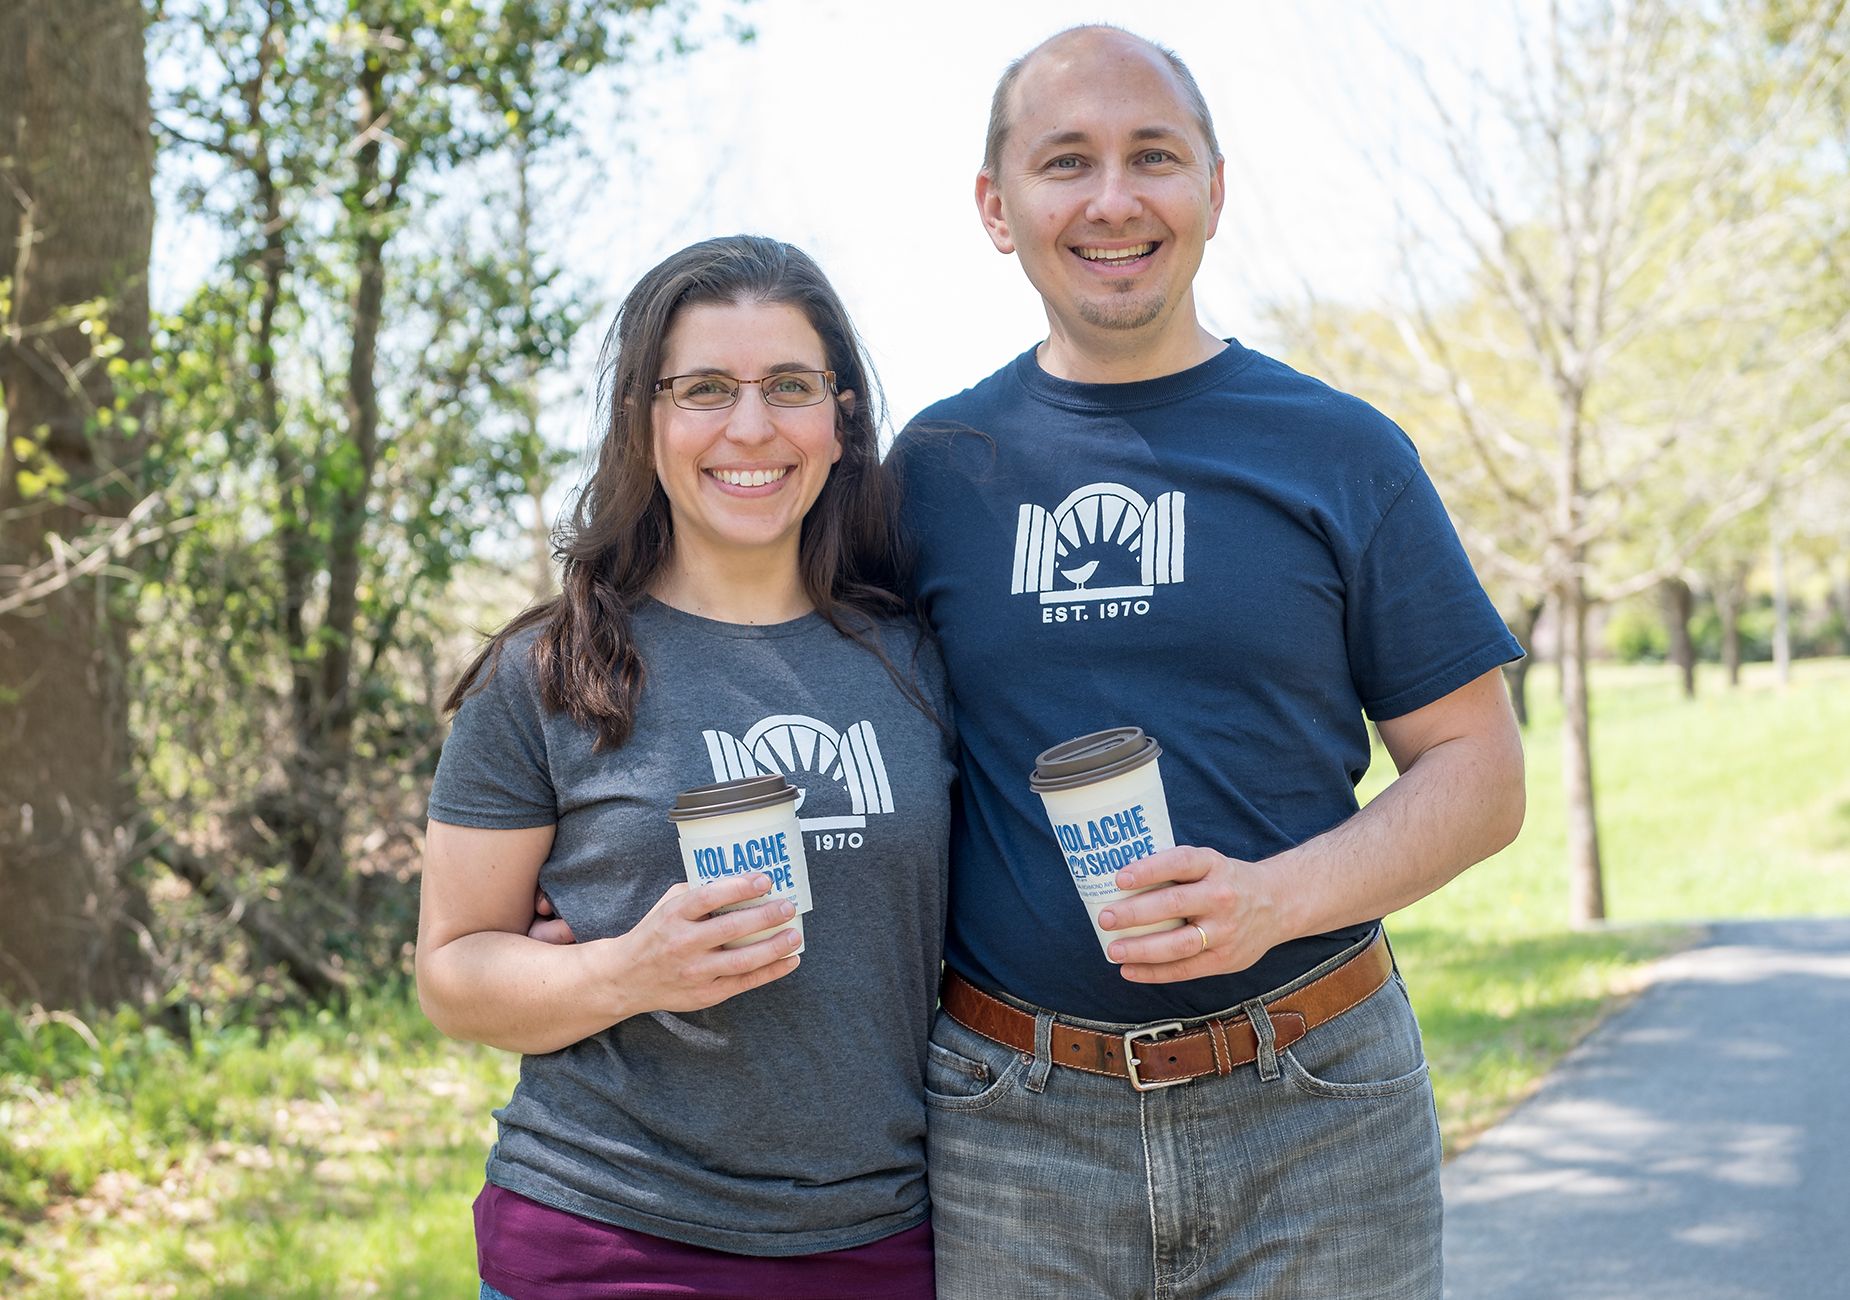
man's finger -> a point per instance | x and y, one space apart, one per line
1172 972
1168 947
1179 865
1176 902
553 930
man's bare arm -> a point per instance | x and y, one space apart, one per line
1458 799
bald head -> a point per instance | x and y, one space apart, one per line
1091 41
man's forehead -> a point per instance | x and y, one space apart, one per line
1070 81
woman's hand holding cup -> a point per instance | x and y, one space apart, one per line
673 960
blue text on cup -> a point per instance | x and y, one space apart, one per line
767 853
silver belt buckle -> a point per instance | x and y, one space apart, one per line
1149 1033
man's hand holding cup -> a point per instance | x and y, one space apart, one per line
1225 907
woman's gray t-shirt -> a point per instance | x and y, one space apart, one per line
790 1119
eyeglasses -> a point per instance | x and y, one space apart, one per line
717 392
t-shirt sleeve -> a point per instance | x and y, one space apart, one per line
494 772
1419 623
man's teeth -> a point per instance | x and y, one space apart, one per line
1116 254
749 477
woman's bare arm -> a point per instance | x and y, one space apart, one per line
481 978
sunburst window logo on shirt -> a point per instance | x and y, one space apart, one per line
1105 542
840 776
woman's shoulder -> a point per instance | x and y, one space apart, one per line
506 665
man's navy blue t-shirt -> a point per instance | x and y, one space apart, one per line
1236 558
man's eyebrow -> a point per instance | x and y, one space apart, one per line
1158 133
1060 139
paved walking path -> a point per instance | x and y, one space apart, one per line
1696 1146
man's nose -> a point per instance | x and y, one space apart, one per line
1116 200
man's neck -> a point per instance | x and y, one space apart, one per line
1123 357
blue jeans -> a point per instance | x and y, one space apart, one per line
1312 1172
489 1293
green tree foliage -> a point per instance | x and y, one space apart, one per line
1626 316
351 416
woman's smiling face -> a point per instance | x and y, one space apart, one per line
740 479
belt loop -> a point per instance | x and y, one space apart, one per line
1262 1030
1043 1052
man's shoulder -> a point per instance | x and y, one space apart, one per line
1316 409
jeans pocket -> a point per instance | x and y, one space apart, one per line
1371 1050
957 1075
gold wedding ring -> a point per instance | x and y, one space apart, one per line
1204 937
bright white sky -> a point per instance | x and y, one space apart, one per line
853 128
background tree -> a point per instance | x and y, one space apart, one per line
1629 235
356 393
76 220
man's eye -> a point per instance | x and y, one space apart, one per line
1067 164
1156 157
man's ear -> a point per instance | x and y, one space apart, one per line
989 206
1217 194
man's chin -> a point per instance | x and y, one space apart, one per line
1119 314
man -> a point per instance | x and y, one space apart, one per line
1137 522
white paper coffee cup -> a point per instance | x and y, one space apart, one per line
735 828
1104 797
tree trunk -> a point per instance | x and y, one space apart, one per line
1728 599
76 221
1586 890
330 743
545 584
1516 675
1782 614
1679 606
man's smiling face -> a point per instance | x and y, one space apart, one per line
1106 188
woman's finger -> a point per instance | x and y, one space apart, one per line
727 962
733 985
716 930
710 897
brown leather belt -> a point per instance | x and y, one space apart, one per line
1149 1059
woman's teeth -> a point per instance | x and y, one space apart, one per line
749 477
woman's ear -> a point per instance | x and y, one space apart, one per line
844 399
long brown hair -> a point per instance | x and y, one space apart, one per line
618 536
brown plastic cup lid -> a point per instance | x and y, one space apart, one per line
744 795
1096 756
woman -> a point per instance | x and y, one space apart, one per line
727 1122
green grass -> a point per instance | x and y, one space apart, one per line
1735 804
333 1155
336 1155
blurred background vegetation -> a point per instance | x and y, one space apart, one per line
245 543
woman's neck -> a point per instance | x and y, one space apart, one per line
749 589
